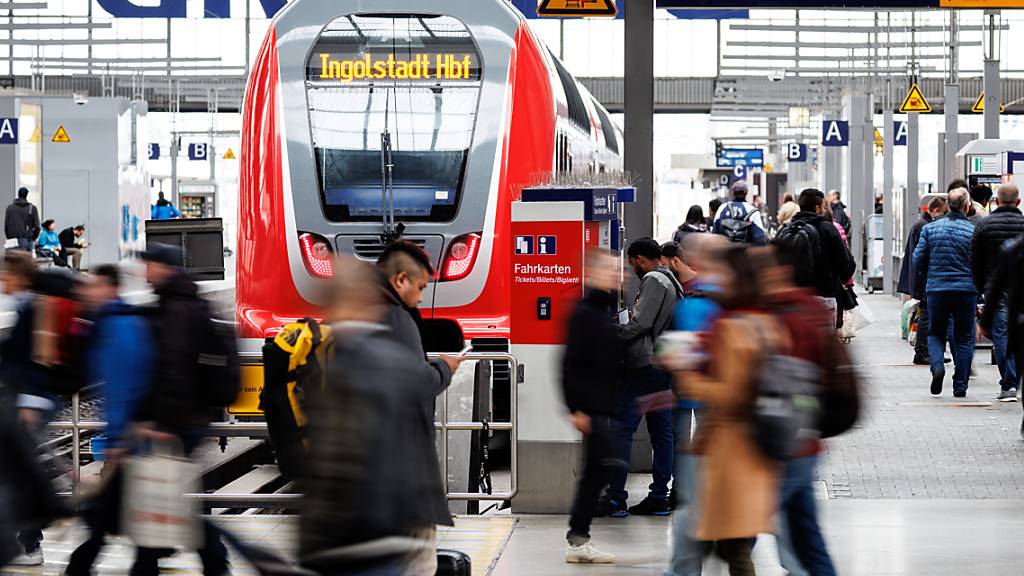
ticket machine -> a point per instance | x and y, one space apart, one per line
551 229
991 162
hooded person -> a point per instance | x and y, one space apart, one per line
21 222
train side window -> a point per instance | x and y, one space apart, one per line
577 110
607 128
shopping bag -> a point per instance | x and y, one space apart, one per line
863 316
155 512
849 328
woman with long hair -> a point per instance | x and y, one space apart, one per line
695 222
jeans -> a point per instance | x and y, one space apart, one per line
599 463
687 553
800 537
1005 358
963 307
921 346
27 245
661 429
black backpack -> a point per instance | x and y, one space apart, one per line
803 242
736 224
218 370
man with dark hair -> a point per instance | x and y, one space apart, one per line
71 245
672 257
21 223
981 195
643 383
1009 281
912 280
990 234
943 252
406 272
839 214
739 220
713 207
822 261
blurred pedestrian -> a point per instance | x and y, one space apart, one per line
838 209
21 223
943 252
49 244
72 246
120 357
182 399
788 209
912 279
673 259
1009 281
590 375
163 209
739 220
821 260
737 486
375 493
713 205
981 196
643 384
1003 224
695 222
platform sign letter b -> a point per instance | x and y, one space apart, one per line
197 151
8 130
796 152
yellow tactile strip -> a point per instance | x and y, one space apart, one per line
482 538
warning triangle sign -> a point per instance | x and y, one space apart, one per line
577 8
915 102
61 136
878 137
979 104
229 155
37 135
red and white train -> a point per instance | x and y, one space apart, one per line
364 119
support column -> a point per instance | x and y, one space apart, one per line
889 283
912 199
951 138
993 87
858 188
639 116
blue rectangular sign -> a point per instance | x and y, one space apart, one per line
197 151
8 130
880 4
154 151
740 157
529 9
796 152
835 133
899 128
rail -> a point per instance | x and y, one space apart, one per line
259 430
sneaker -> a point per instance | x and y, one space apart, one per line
651 507
587 554
1007 395
937 377
959 393
33 558
922 360
673 502
611 508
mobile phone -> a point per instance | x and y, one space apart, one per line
466 350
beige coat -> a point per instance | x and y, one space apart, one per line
737 490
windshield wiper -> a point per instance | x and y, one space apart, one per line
387 189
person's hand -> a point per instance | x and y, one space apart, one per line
453 362
581 422
30 417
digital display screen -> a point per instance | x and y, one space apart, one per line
435 65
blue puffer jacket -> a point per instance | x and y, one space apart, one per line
944 252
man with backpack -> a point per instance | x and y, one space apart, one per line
21 223
644 385
739 220
196 378
821 260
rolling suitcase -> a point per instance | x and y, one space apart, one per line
453 563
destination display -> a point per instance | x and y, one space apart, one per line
388 66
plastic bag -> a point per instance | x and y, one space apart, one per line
156 513
862 316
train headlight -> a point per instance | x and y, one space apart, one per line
461 256
317 255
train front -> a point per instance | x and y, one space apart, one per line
360 127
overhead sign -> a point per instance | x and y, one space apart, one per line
380 66
835 133
982 3
154 151
878 138
796 152
577 8
983 164
915 102
900 132
739 172
61 136
229 155
979 104
198 151
818 4
8 130
740 157
529 9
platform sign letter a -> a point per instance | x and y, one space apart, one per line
835 133
8 130
901 133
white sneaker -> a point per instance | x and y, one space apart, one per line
587 554
34 558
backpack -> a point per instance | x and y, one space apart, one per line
787 407
803 242
294 374
59 333
219 373
736 224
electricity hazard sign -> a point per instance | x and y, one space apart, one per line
915 102
979 104
577 8
61 136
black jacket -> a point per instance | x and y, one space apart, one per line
180 320
991 232
1009 280
838 262
405 325
841 217
21 220
67 238
912 280
593 355
374 466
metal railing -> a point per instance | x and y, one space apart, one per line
259 430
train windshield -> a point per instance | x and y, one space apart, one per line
412 81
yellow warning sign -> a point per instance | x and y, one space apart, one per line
229 155
37 135
979 104
61 136
577 8
915 102
878 137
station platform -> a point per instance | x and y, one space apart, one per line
923 486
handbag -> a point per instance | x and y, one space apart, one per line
155 510
846 298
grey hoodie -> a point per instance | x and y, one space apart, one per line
652 315
21 220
